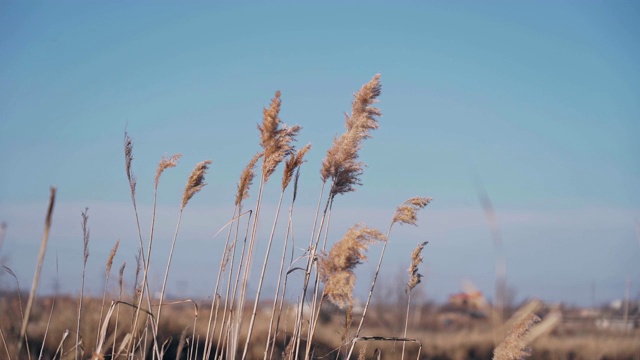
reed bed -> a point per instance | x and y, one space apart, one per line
136 326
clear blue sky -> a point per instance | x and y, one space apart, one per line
540 100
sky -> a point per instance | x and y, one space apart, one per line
535 103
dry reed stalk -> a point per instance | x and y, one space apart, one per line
53 305
85 240
215 303
275 139
115 330
195 183
414 279
342 167
296 159
230 293
112 254
245 182
4 342
514 346
36 276
128 157
282 260
406 213
232 326
336 268
164 164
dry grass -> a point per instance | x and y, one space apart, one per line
138 325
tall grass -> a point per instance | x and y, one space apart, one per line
328 276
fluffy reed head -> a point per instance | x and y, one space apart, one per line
246 179
86 233
128 159
407 213
336 268
165 163
195 182
514 345
362 112
275 138
294 162
416 259
111 256
121 274
341 162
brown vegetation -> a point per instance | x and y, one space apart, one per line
135 324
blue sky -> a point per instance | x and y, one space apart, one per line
538 100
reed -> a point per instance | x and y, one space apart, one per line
414 279
234 325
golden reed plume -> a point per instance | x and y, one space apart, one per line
165 163
195 182
341 163
275 138
407 213
336 268
294 162
246 179
416 259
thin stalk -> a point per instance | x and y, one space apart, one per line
166 274
316 290
227 302
406 321
313 248
234 324
208 341
247 269
264 268
275 299
115 330
85 235
36 276
373 284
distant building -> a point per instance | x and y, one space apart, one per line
467 300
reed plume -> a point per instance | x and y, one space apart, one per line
514 346
336 268
246 179
112 255
85 240
414 279
341 162
195 183
275 137
407 212
128 159
293 163
164 164
416 259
